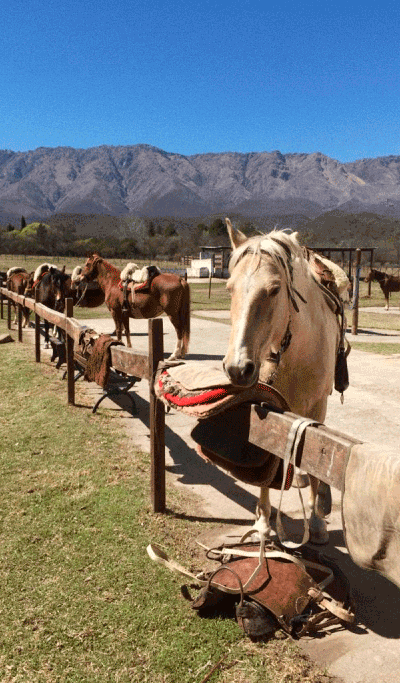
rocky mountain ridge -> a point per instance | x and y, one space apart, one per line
146 181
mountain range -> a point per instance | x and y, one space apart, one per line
146 181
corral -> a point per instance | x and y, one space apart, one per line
373 612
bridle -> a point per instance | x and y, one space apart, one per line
275 356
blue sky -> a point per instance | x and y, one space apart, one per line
195 77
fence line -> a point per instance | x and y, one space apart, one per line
324 452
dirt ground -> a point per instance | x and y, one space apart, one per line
371 412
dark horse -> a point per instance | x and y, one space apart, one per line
53 286
388 283
167 293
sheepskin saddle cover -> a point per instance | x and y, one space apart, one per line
223 412
202 391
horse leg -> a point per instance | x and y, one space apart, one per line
263 513
317 523
118 325
179 351
125 323
46 335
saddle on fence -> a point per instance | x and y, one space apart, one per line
266 589
204 393
95 350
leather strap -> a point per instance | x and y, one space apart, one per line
292 446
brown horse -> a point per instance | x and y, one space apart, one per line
388 283
17 279
167 293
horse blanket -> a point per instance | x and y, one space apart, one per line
370 509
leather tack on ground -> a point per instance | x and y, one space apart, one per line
6 338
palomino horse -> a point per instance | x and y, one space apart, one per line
388 283
53 286
17 279
284 332
167 293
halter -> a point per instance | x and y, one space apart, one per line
275 356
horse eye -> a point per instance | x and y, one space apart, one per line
274 291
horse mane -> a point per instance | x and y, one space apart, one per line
76 272
282 246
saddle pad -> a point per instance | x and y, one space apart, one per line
202 391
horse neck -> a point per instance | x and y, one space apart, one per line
107 275
310 358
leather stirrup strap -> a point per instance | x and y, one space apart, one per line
292 446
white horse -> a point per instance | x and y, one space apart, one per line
285 330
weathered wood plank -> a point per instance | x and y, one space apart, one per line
53 317
237 435
323 452
130 361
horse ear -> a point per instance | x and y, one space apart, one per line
63 269
236 236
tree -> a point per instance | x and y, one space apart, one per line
23 222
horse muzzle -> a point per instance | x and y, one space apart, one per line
242 374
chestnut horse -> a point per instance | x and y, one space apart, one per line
285 331
167 293
17 279
388 283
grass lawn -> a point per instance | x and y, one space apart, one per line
80 601
384 349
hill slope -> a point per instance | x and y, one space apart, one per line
145 180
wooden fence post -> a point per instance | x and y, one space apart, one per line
1 300
69 311
157 418
9 313
19 309
356 290
37 330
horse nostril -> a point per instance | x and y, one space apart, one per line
248 370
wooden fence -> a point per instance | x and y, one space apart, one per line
324 452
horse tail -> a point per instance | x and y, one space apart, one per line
184 314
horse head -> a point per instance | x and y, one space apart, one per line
90 269
370 276
262 295
60 285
